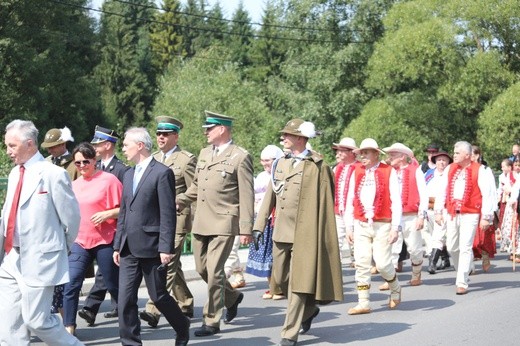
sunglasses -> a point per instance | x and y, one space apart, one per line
165 134
83 162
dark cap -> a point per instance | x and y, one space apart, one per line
55 137
432 148
102 134
441 153
214 119
168 124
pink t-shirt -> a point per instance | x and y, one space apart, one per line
98 193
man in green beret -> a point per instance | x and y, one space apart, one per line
182 163
223 190
306 261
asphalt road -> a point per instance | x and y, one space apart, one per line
430 314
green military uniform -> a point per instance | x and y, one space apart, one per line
224 192
66 162
306 262
182 163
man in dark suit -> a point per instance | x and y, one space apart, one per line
182 163
104 142
144 241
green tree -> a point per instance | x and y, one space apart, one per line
188 88
47 56
193 22
126 74
241 35
500 125
166 35
267 51
216 26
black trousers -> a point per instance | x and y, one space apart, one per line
131 271
97 295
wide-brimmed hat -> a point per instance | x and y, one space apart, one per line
102 134
368 143
168 124
214 119
399 148
300 127
441 153
55 137
345 143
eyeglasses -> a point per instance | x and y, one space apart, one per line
165 134
83 162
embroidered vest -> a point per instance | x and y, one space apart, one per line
471 202
382 203
342 176
409 191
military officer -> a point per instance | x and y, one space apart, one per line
223 190
55 142
182 163
306 261
104 141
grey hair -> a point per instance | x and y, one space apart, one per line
140 134
25 129
463 145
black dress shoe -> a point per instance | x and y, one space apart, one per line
88 316
207 330
183 338
287 342
306 325
232 311
111 314
149 318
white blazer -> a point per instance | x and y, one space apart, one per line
48 222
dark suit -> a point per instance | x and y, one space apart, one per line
97 293
146 228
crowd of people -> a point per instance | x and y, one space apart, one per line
372 209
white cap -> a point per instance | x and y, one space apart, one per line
271 152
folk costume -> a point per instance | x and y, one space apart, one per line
468 195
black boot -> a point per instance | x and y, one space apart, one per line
434 257
445 263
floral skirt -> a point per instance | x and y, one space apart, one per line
260 262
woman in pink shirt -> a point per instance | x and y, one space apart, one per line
99 196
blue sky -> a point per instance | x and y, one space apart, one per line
254 7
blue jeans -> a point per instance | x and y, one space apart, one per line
79 261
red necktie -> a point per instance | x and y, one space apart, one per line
11 222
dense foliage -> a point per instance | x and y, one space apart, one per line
416 71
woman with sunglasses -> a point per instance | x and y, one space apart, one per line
99 196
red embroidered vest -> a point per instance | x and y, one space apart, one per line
342 195
382 203
409 191
472 200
